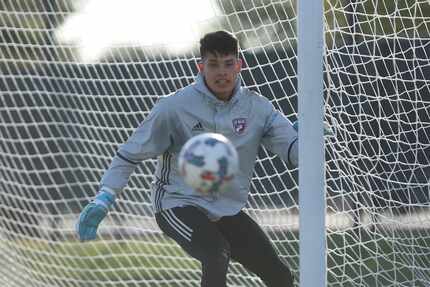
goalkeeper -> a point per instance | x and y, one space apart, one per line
212 228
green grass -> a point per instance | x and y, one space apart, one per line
353 260
109 263
373 260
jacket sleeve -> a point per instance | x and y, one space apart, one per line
151 138
280 137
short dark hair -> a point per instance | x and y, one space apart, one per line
219 42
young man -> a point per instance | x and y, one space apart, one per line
211 228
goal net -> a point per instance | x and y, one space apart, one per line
76 78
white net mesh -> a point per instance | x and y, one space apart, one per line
77 77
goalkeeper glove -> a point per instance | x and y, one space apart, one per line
296 126
327 129
93 214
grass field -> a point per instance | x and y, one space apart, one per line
108 263
376 261
397 259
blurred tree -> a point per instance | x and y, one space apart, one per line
267 22
27 33
27 45
261 23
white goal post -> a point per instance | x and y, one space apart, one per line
312 205
76 78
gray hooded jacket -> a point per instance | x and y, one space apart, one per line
247 119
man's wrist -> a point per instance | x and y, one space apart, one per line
105 198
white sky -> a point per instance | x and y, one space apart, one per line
101 24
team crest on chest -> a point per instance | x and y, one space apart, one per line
239 125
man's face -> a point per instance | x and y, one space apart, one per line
220 73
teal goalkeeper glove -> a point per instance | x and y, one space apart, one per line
93 214
296 126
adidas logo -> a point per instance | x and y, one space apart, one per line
197 127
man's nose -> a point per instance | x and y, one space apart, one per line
222 71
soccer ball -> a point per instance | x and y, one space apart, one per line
208 162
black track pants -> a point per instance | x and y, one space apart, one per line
214 243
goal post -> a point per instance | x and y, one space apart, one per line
312 203
77 77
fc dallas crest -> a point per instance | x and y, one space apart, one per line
239 125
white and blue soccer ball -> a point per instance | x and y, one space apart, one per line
208 162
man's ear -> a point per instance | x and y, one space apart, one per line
239 64
200 66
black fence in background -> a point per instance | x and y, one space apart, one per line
55 114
